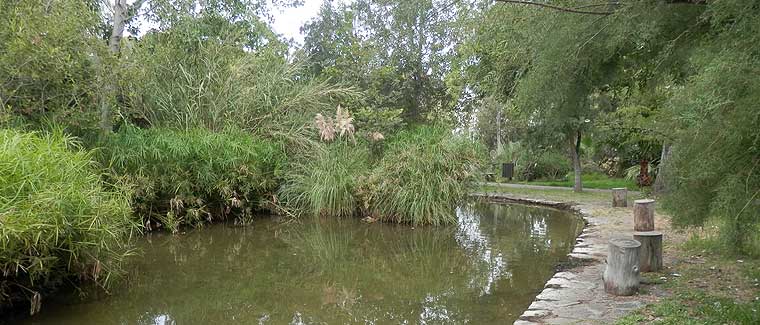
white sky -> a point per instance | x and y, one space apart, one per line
288 22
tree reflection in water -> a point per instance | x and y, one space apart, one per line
486 269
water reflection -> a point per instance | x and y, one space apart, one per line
472 238
486 269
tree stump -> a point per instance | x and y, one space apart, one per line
643 215
619 197
621 276
650 255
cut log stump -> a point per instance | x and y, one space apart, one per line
643 215
619 197
621 276
650 255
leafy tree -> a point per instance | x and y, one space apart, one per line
396 51
564 69
46 66
645 74
716 152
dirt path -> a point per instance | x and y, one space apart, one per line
576 295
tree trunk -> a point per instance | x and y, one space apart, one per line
498 132
576 153
650 256
643 215
108 80
619 197
119 20
621 276
660 183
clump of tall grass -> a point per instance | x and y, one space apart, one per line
326 182
57 219
187 177
423 175
185 80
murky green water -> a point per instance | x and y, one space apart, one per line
485 270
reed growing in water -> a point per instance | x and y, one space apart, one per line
58 220
419 178
326 183
423 175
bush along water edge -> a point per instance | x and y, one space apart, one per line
190 177
59 222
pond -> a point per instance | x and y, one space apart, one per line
485 270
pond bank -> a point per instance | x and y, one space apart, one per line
576 293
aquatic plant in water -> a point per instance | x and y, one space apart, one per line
188 177
58 219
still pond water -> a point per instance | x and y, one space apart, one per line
485 270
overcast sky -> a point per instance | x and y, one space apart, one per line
288 21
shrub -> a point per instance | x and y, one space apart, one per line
188 177
50 62
57 220
424 174
326 184
546 164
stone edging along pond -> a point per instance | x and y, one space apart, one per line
576 293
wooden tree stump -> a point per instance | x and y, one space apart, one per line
650 256
621 276
643 215
619 197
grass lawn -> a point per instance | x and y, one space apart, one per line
695 307
549 194
711 290
591 181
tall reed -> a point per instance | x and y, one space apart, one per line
326 182
423 175
211 83
57 218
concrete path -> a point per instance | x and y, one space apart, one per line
576 295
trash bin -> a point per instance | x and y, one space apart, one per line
507 170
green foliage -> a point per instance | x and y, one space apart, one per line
49 61
386 122
327 182
188 177
593 180
199 74
420 177
717 152
57 219
394 51
649 75
542 164
425 173
695 307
